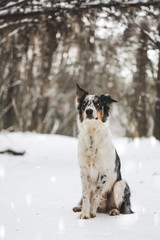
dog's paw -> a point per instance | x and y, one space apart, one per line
93 215
82 216
114 212
77 209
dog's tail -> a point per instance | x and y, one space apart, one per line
126 204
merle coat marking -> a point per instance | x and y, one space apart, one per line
102 184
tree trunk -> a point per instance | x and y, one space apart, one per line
140 111
10 116
157 103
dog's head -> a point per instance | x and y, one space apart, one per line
93 107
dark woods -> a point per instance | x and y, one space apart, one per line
48 46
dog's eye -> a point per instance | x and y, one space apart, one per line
98 105
84 104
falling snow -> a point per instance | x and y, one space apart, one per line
39 189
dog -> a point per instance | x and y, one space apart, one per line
102 185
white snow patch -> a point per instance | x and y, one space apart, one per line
2 232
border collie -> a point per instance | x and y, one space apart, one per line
102 185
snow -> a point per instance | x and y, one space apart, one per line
39 189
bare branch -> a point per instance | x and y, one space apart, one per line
122 5
12 152
12 5
149 37
74 6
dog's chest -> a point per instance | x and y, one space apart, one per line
96 154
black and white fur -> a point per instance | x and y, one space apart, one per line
102 184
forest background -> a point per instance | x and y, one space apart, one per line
46 47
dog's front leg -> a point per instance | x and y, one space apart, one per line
97 194
86 194
95 202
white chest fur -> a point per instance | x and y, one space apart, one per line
96 152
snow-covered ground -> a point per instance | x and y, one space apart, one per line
39 189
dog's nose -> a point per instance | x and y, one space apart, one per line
89 112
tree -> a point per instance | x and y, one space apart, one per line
157 102
139 82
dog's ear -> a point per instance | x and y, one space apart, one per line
80 93
107 99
